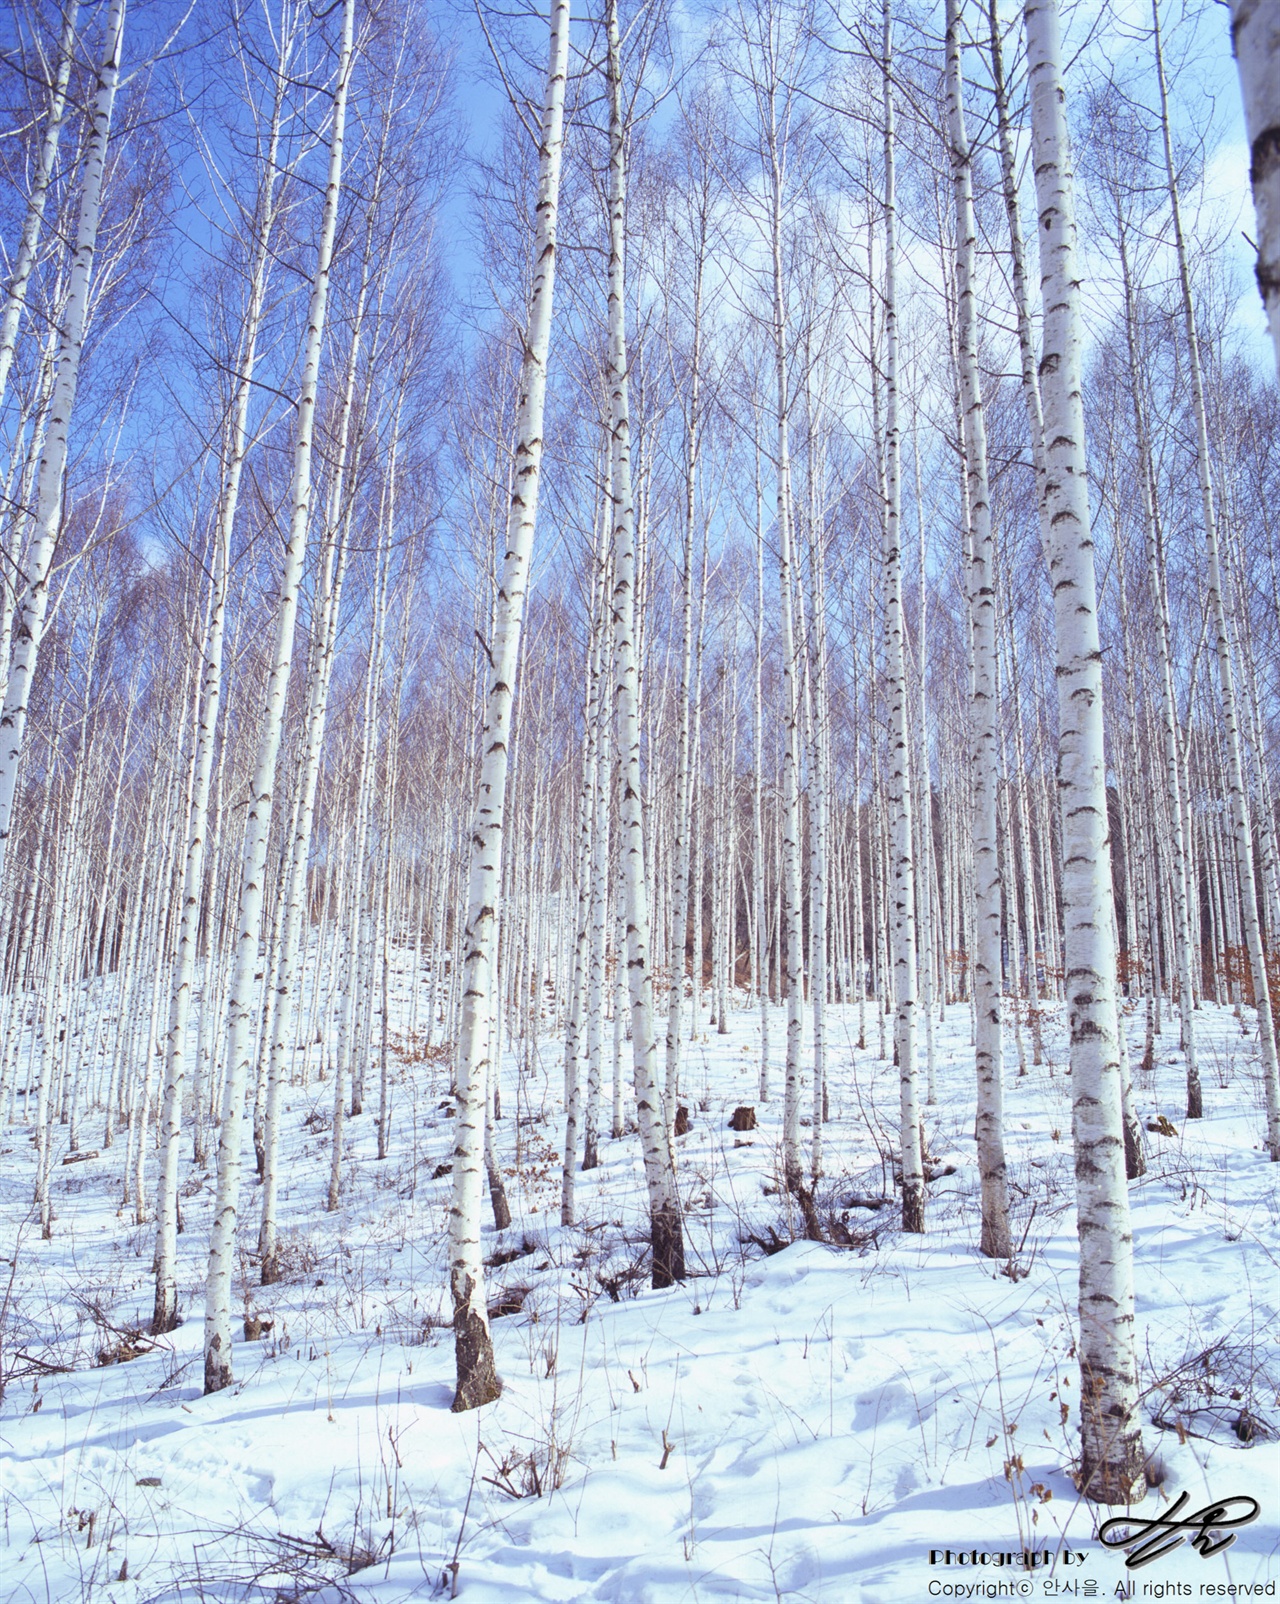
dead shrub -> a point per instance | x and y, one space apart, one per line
510 1300
296 1256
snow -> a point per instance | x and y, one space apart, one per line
807 1424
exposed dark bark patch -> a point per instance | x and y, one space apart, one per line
1116 1475
498 1196
478 1382
217 1371
1265 156
668 1246
1135 1163
813 1231
913 1208
165 1315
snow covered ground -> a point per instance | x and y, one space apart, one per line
819 1422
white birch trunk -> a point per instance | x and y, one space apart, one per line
1113 1464
165 1313
1255 42
664 1203
294 893
574 1034
241 1011
47 517
902 890
596 985
1018 266
1168 703
1239 797
680 887
292 962
25 256
477 1378
984 730
760 958
792 939
925 878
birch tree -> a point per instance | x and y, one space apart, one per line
984 722
1113 1466
33 604
1255 42
1239 797
165 1313
241 1009
477 1377
24 257
902 890
666 1226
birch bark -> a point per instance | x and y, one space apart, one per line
477 1377
1018 267
1239 797
791 936
47 516
340 511
760 957
604 779
574 1037
1168 704
925 879
664 1205
165 1313
25 256
680 887
1113 1463
984 731
1255 42
240 1016
902 890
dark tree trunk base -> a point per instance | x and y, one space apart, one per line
1135 1163
498 1198
1195 1098
164 1317
478 1381
993 1241
1118 1477
217 1369
813 1231
913 1208
668 1247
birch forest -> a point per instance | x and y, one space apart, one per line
639 791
